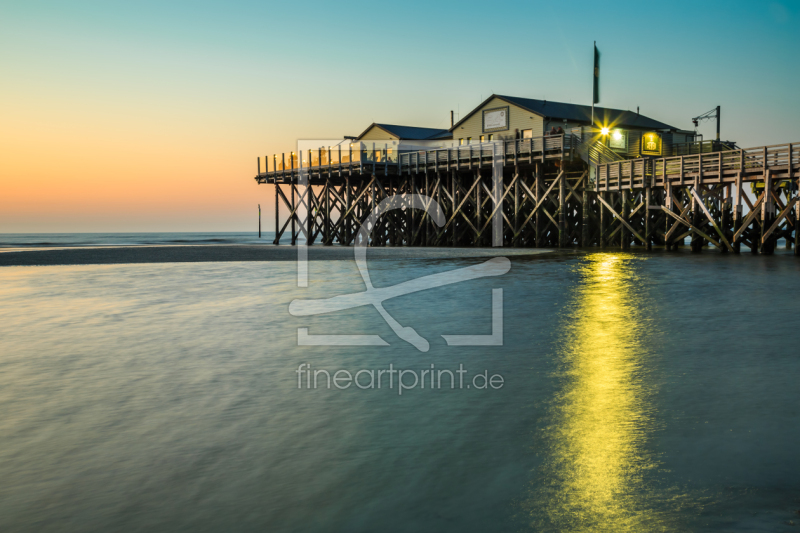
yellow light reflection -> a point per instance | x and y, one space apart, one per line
593 477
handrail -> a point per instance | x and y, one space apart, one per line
546 146
702 147
596 153
699 165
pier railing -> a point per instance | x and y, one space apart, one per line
478 154
702 147
330 155
327 159
706 167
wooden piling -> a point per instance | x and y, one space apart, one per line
585 219
625 210
737 212
604 216
537 217
797 222
516 206
647 230
767 216
277 239
562 212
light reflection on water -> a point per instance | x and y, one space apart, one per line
602 418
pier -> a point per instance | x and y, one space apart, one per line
521 172
554 191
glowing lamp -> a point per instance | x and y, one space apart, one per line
604 131
617 135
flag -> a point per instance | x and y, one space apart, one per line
596 76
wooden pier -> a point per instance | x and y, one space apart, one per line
554 191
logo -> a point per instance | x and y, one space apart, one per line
651 143
375 297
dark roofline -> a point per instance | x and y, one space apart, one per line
511 100
435 133
457 124
370 127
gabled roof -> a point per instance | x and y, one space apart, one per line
411 133
577 113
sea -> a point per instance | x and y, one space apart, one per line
71 240
608 391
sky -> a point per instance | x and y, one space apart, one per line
149 116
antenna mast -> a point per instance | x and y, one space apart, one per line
708 115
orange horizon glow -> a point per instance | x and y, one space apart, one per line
138 117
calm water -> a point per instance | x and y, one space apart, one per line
642 392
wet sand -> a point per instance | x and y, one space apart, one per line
222 253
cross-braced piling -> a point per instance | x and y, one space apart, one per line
547 192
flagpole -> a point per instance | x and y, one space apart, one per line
593 75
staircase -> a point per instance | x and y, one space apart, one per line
592 152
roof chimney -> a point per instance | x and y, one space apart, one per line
451 118
637 109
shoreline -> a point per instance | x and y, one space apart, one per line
116 255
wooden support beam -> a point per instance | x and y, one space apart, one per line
777 222
350 214
797 224
711 219
624 222
540 201
692 227
292 211
562 211
601 197
307 226
327 221
767 212
539 189
647 229
294 231
478 203
585 207
373 234
277 239
426 222
499 203
625 208
755 211
347 208
516 203
697 241
737 209
725 206
453 200
457 210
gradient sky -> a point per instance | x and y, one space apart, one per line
149 116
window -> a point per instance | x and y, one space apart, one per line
527 134
461 141
483 138
469 140
491 136
618 140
